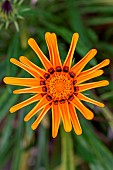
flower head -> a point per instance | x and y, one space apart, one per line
6 7
58 86
10 12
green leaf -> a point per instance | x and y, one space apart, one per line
42 156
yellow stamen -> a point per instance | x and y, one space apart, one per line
60 86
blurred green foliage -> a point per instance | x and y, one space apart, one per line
24 149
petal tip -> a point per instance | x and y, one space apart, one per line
54 133
90 117
94 51
54 34
33 127
54 136
76 35
5 79
106 82
47 34
11 110
25 119
30 40
14 92
102 105
79 132
107 61
12 59
21 57
68 129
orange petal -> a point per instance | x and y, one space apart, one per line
93 69
70 54
56 60
74 119
29 90
55 119
27 62
22 81
49 45
88 114
25 103
29 70
87 86
42 103
40 54
87 99
89 76
81 64
65 116
40 117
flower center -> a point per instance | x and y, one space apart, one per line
59 86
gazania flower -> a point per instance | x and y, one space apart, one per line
57 87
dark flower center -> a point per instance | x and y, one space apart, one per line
6 7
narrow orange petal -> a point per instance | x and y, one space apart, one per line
21 65
29 90
27 62
49 45
55 119
89 76
65 116
74 119
88 114
56 60
81 64
87 99
40 117
40 54
70 54
41 104
87 86
22 81
93 69
25 103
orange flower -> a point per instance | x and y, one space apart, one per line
58 86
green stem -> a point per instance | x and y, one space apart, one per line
68 162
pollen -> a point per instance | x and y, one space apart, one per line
60 86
